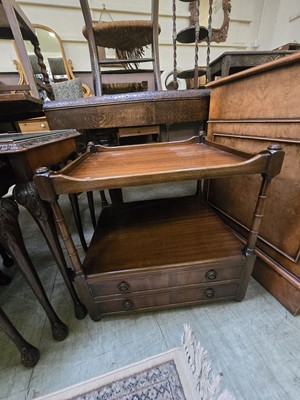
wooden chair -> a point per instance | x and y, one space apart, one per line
126 112
15 25
127 37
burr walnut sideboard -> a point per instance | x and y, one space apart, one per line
165 252
249 111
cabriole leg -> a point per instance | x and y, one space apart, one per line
11 238
26 194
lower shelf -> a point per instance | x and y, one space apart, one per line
162 253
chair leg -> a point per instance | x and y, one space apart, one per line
104 201
116 196
90 197
75 208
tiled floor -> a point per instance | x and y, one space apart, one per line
254 343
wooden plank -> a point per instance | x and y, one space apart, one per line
10 88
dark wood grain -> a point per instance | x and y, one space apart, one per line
129 109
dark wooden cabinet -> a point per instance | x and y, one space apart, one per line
249 111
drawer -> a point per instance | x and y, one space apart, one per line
112 284
34 125
164 299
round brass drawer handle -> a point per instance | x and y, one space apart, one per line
123 286
211 274
127 304
209 292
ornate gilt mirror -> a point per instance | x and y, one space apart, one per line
220 10
58 67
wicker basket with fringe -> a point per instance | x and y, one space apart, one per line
127 37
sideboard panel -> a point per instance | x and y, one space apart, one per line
249 112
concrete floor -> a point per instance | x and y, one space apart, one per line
254 343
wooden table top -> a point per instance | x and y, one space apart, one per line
22 142
21 154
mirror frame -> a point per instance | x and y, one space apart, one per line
67 63
63 54
218 35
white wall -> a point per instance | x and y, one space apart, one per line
255 24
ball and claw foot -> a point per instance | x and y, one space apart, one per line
59 331
29 356
80 310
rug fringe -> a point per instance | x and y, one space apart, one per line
207 383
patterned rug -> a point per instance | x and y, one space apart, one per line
183 373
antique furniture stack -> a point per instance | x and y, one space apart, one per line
102 280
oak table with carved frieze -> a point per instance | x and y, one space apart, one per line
231 62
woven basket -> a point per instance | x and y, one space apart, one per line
122 35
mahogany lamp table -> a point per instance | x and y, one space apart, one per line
165 252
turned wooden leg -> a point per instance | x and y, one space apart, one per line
27 195
29 354
11 238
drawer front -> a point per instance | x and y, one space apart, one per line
167 278
34 126
165 299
